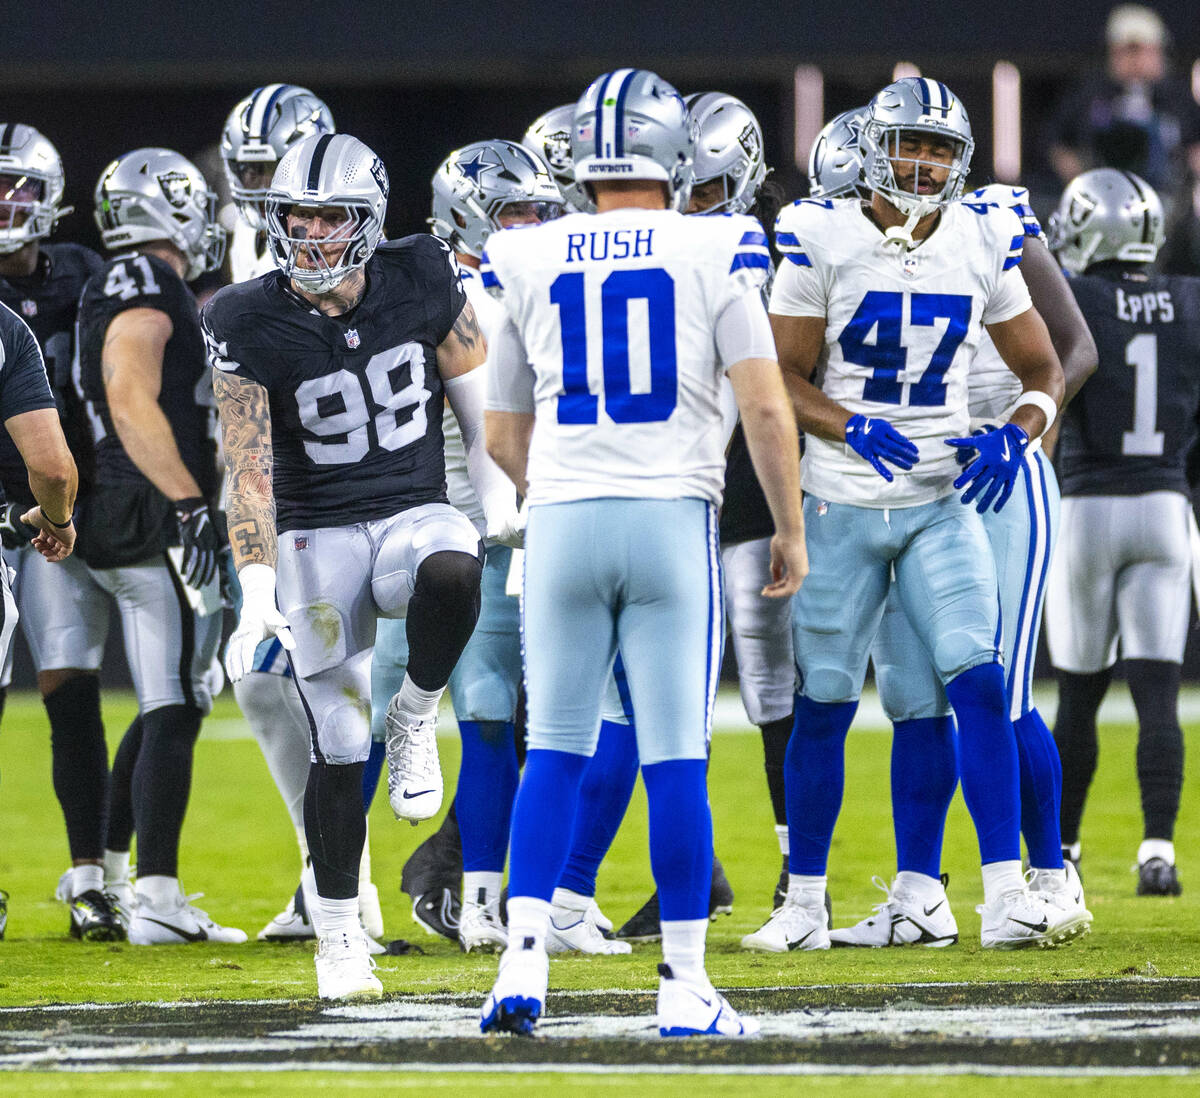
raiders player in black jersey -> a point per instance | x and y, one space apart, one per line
64 618
330 376
151 544
1122 566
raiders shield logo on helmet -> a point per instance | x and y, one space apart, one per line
750 143
557 149
176 187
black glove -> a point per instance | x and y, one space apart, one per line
13 532
199 540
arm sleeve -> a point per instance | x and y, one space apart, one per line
510 378
24 386
743 331
467 394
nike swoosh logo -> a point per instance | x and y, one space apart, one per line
186 935
1041 927
800 941
706 1002
931 910
867 427
420 793
1005 454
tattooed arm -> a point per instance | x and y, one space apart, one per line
246 428
464 348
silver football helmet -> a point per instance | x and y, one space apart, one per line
927 106
31 183
631 124
729 147
157 194
327 171
550 138
835 165
258 131
1106 214
474 184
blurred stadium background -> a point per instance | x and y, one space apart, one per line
417 80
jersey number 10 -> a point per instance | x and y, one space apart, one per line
578 404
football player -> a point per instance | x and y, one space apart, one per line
151 544
550 137
924 766
620 476
257 133
330 374
892 298
1120 576
63 616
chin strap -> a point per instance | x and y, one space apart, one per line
901 235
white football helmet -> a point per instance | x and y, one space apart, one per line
729 147
474 184
157 194
1106 214
632 124
258 131
327 170
835 162
31 183
550 138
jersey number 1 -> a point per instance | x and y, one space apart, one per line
578 404
1141 352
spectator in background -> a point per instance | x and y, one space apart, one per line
1135 116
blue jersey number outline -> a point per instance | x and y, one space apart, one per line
883 312
577 404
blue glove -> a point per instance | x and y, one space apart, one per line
876 440
996 465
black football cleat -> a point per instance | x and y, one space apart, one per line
642 925
438 911
1158 877
94 918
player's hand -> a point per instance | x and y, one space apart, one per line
789 566
877 441
54 542
964 455
505 522
198 537
259 620
13 532
993 473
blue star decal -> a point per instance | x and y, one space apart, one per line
474 167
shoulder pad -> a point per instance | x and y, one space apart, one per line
1005 196
749 243
797 224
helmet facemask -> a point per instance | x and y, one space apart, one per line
25 214
303 258
884 147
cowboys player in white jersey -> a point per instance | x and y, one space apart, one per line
891 299
330 375
924 764
258 132
604 410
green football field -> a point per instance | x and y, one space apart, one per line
238 849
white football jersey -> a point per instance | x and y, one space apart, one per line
992 387
902 328
458 485
617 313
249 255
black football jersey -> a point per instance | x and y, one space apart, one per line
355 400
744 512
47 300
24 386
135 281
1130 428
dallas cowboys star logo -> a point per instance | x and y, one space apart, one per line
474 167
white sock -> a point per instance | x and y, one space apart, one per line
683 947
806 891
482 886
116 867
416 703
1001 877
781 833
161 892
1156 848
918 884
302 843
86 878
364 863
528 921
339 916
1073 851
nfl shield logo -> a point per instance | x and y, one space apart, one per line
822 508
352 340
910 265
300 543
29 307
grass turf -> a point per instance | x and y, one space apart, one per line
239 849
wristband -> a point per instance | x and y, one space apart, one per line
1044 401
58 525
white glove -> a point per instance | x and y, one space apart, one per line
259 620
505 524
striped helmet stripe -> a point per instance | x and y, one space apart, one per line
314 165
611 134
260 109
599 120
1133 182
7 139
620 112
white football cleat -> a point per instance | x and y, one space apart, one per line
571 932
480 929
687 1009
177 922
289 925
1065 889
603 923
414 773
370 914
902 919
792 926
1022 918
518 997
345 970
